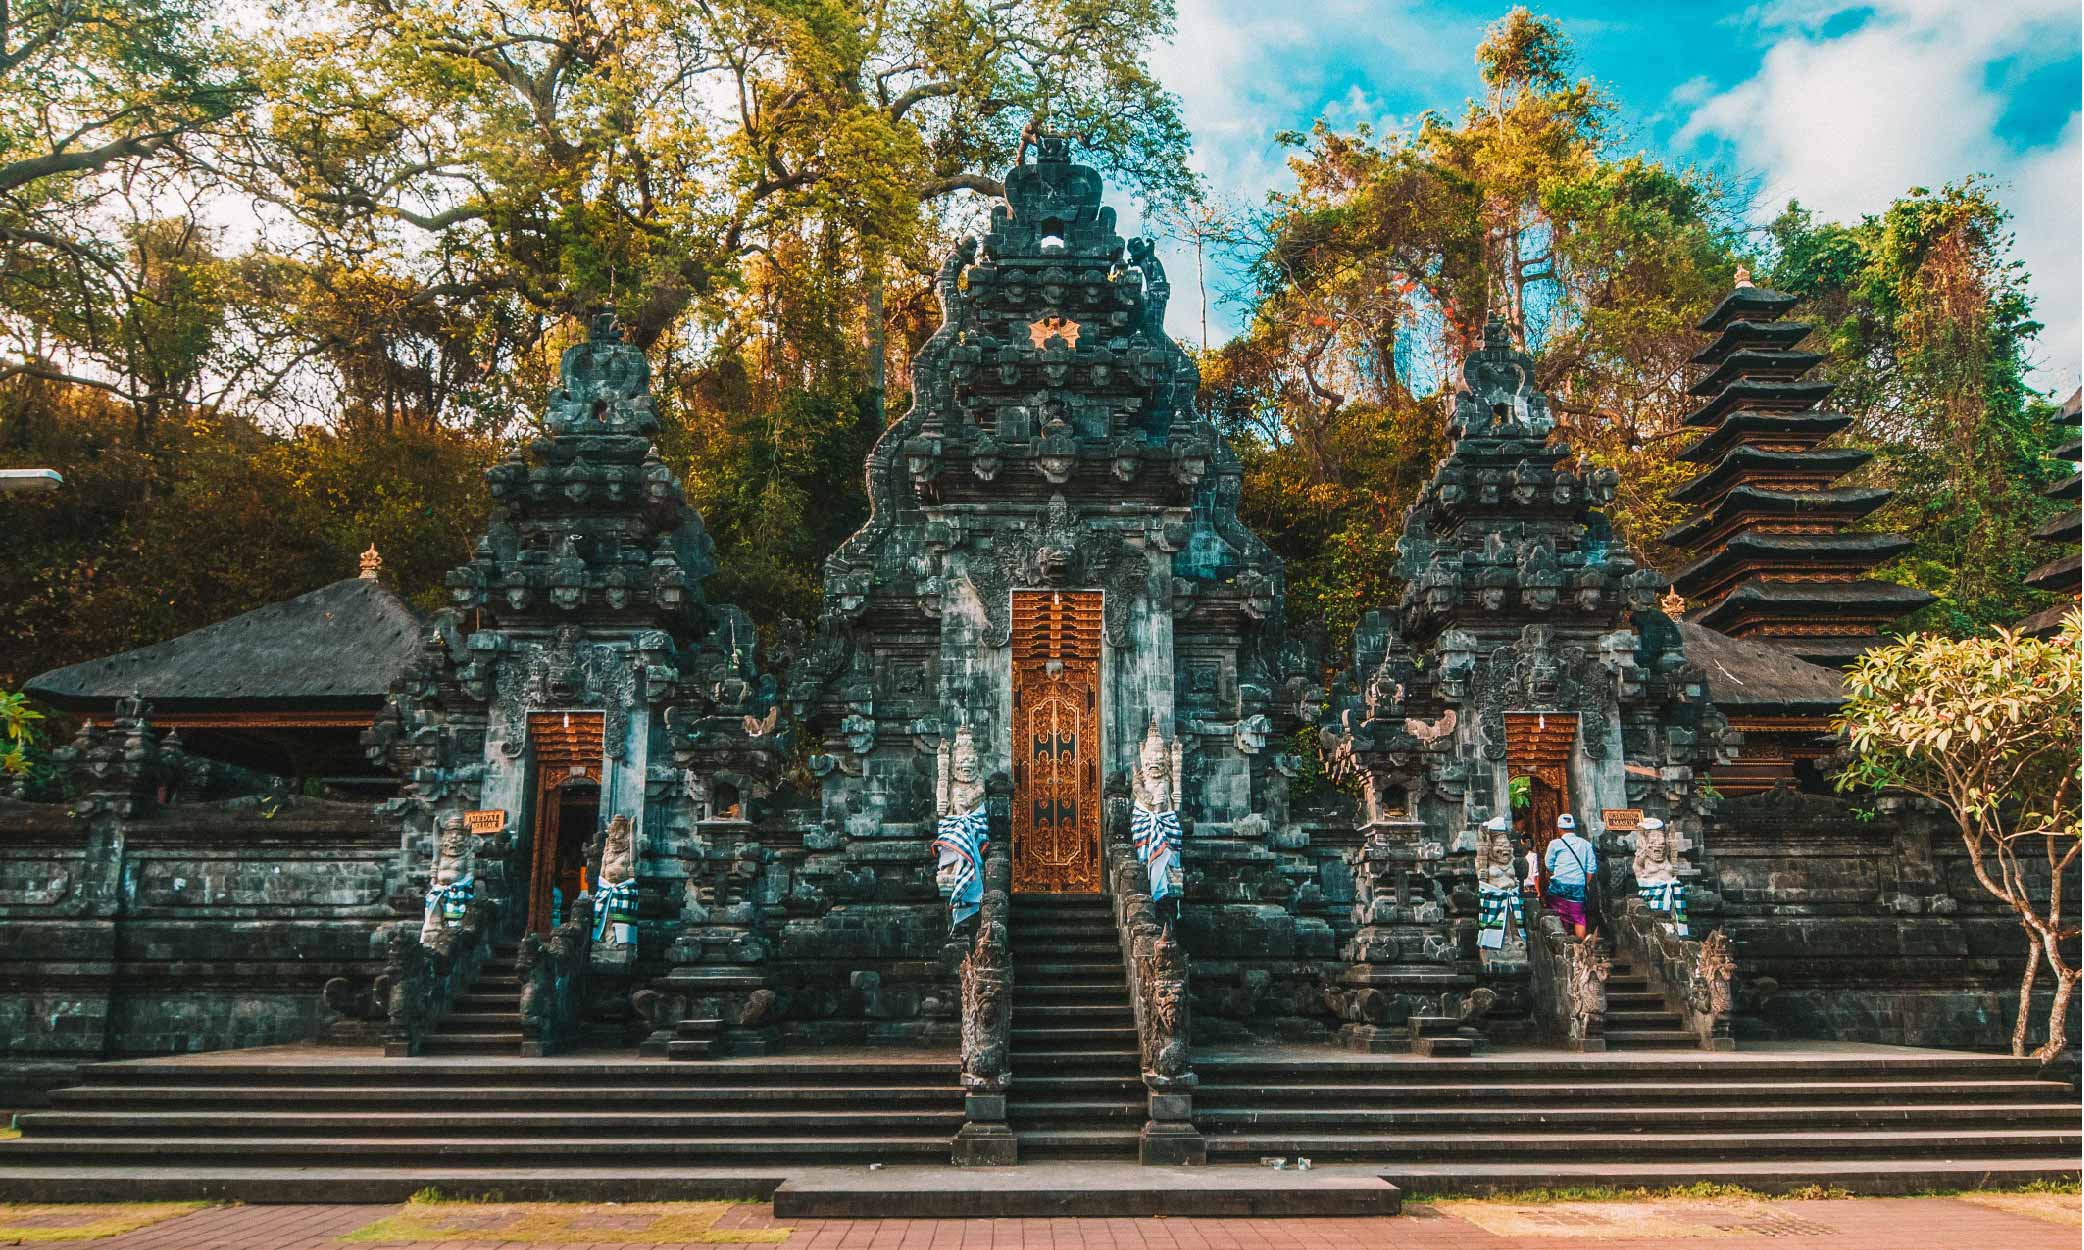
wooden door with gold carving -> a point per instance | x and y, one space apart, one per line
1056 742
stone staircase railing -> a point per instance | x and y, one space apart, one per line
1697 976
985 1139
553 982
421 977
1158 974
1569 984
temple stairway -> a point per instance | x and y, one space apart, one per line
1636 1015
1855 1113
236 1123
1077 1074
486 1018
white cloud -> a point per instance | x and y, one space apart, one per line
1845 122
1245 71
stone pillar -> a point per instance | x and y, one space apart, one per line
1169 1137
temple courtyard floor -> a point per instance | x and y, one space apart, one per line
1982 1221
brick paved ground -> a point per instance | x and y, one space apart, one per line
2029 1222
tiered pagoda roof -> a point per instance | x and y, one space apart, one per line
1773 558
2062 532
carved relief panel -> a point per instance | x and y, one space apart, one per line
1056 742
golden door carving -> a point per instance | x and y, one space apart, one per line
1056 742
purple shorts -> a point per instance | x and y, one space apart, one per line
1570 910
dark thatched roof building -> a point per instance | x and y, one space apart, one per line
285 689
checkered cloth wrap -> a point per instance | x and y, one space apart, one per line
960 845
615 904
451 901
1493 904
1157 837
1668 896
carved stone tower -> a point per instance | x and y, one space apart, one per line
578 675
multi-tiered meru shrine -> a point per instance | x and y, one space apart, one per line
1046 840
1775 557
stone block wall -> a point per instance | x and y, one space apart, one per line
196 927
1860 928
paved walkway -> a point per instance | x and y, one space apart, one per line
1983 1222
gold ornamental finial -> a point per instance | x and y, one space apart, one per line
371 562
1673 603
1743 277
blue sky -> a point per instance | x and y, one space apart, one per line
1840 105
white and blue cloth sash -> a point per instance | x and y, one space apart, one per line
452 901
1494 903
617 905
1668 897
1157 837
960 845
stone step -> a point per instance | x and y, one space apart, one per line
1023 1110
1077 1015
1212 1096
1641 1018
588 1073
1550 1117
1642 1000
414 1151
1066 971
1915 1145
471 1097
496 1043
1674 1038
1662 1070
479 1021
1095 1087
496 985
1059 1037
475 1001
1052 1143
1056 1062
1055 991
187 1126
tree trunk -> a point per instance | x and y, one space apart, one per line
2033 968
878 348
2058 1015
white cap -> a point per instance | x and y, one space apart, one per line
1567 823
1497 824
1651 822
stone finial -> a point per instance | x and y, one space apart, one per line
1743 277
371 563
1673 603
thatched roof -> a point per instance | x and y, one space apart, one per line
336 647
1756 677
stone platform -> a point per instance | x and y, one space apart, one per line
305 1124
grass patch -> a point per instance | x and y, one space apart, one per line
48 1223
431 1218
1699 1191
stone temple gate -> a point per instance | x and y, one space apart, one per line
1046 838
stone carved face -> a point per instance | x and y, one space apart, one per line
962 762
1656 858
452 849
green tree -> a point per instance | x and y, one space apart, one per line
1379 271
1925 323
1986 727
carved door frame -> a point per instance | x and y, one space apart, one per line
1057 640
1539 745
564 748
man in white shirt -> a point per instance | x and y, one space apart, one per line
1571 861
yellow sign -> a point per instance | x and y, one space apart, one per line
1621 819
486 822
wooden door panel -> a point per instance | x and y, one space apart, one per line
1056 742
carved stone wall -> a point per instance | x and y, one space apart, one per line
197 926
1861 928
